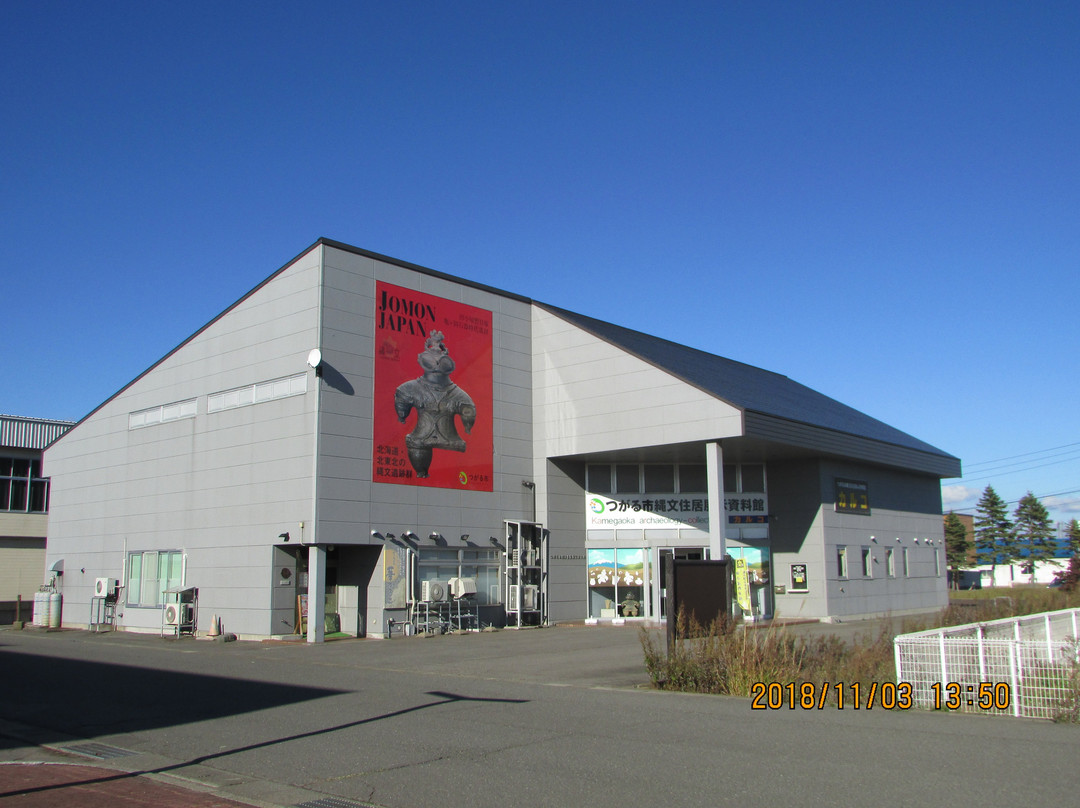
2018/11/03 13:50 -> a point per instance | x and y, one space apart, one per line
888 696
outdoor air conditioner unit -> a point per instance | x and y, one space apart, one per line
177 614
524 597
103 587
433 591
462 587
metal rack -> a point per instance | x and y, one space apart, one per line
439 617
525 574
180 612
103 612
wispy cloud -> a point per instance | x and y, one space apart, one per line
1069 505
954 495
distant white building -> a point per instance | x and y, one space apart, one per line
1020 574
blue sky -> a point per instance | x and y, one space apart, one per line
880 200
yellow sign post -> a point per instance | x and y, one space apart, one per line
742 585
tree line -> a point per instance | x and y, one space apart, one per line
1026 537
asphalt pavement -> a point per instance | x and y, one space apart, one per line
547 717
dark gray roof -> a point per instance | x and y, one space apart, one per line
750 389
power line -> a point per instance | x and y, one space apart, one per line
1070 452
1017 471
1026 454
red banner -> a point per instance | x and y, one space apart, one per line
433 392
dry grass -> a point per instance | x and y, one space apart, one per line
728 658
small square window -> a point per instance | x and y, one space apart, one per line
627 480
598 479
753 478
693 479
659 479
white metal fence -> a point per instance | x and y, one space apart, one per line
1021 666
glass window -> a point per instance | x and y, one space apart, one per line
626 479
753 477
160 414
890 562
659 479
18 494
693 479
444 563
602 579
841 562
867 563
151 573
22 488
731 478
906 569
598 479
257 393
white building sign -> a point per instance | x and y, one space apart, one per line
607 511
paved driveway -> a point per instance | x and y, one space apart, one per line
546 717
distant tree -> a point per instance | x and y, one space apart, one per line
956 546
1070 578
1033 532
993 529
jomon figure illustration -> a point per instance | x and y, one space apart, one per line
437 400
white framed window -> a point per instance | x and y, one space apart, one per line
907 569
257 393
890 563
150 573
867 563
841 561
163 413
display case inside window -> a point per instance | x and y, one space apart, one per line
617 583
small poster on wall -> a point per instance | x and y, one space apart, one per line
798 578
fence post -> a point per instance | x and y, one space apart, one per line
1016 645
982 655
1014 678
944 672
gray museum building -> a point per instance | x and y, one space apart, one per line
365 446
